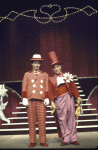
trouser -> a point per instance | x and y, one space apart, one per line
65 109
36 112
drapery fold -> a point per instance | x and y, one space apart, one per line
74 40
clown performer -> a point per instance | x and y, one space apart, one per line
64 89
35 97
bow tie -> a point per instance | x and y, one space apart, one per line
36 72
58 75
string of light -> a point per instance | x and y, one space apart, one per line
50 17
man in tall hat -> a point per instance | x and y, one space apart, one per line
35 97
64 89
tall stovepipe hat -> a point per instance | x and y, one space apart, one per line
53 58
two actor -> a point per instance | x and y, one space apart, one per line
38 88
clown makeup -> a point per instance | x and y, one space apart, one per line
57 69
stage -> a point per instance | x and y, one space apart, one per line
68 28
86 140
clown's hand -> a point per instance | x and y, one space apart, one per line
25 102
79 99
46 101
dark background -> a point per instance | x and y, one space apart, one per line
74 39
22 5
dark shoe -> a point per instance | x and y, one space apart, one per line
75 143
32 145
63 143
44 144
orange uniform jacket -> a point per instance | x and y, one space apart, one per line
35 86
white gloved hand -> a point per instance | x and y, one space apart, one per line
46 101
25 102
60 80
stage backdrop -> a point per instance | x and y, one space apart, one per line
74 40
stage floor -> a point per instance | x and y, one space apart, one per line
86 140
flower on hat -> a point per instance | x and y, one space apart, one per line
68 77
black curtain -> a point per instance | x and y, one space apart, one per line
74 40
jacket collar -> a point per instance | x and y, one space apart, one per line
32 71
35 76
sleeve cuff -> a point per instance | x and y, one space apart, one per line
24 94
46 95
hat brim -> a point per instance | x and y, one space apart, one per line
36 59
56 63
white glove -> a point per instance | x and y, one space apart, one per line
46 101
25 102
60 80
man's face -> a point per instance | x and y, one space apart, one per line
57 69
36 65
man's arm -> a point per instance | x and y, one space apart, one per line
74 89
24 86
24 91
76 93
50 91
